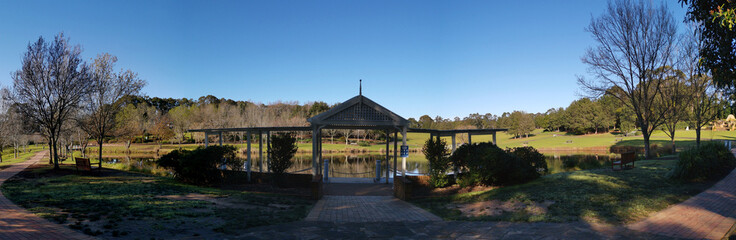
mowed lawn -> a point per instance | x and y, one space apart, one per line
599 195
10 159
538 139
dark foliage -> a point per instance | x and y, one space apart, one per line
200 166
487 164
711 161
530 155
283 148
439 162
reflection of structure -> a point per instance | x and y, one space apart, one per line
358 112
729 124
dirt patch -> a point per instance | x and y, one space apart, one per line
497 208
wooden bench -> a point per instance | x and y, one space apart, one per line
84 164
626 158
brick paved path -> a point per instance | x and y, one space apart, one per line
17 223
367 209
708 215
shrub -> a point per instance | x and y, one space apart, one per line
364 144
439 162
530 155
283 148
711 161
201 165
487 164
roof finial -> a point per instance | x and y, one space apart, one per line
360 90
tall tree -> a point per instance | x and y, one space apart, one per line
715 21
674 101
103 103
633 39
704 95
50 85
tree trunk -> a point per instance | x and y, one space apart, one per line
56 153
646 136
697 136
99 159
51 152
1 153
673 143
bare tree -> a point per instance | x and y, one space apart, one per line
50 85
704 95
674 101
633 40
102 105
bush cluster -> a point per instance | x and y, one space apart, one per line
711 161
439 162
487 164
200 166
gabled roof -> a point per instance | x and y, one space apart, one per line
358 111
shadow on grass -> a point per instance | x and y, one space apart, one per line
594 195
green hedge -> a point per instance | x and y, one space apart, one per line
711 161
200 166
487 164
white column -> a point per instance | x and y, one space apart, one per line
403 159
470 139
219 134
315 149
494 138
453 142
268 150
206 139
260 151
396 143
248 152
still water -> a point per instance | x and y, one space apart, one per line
364 166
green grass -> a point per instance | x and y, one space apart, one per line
598 195
8 158
115 201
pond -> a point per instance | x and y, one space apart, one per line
364 166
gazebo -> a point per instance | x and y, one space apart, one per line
358 112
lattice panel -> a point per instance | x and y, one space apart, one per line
359 112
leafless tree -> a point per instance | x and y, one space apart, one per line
633 39
50 85
704 95
102 104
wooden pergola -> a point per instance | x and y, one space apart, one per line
358 112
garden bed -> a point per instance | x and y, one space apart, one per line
118 204
599 195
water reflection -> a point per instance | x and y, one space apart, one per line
364 166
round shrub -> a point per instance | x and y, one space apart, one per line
711 161
487 164
201 165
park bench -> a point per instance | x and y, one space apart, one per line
626 158
84 164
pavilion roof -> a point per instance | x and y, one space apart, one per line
358 111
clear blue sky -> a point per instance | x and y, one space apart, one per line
447 58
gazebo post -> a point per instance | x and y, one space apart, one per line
403 159
248 152
315 169
453 151
494 138
387 155
219 134
319 153
206 139
268 150
260 151
470 140
396 143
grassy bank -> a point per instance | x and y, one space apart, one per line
9 159
599 195
550 141
122 204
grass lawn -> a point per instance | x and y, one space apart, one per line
599 195
8 158
123 204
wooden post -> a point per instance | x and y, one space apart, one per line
315 148
206 139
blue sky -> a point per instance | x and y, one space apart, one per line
447 58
